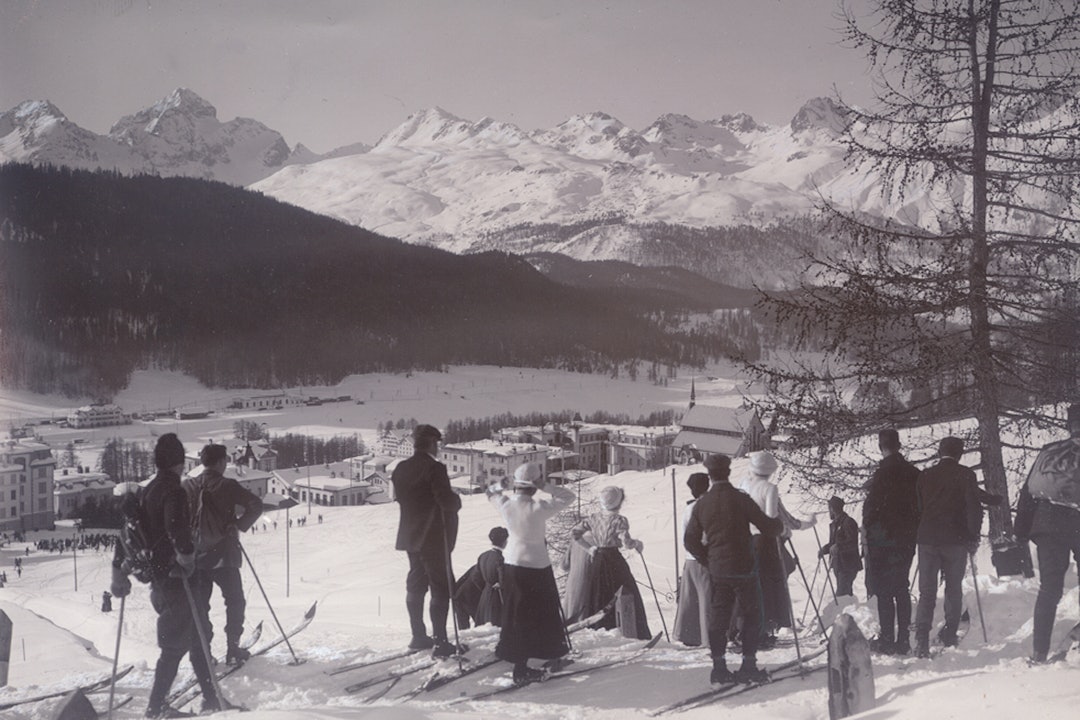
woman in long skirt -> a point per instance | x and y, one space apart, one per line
695 588
609 573
531 622
576 563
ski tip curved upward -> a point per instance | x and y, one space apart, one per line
311 610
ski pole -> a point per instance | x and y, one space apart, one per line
116 656
284 635
657 599
809 591
791 612
203 641
675 530
978 602
450 591
828 570
565 629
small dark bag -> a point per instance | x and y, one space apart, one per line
1011 558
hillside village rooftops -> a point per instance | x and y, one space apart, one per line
81 482
495 447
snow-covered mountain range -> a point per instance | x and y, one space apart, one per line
467 186
178 136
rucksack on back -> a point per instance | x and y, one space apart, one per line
138 552
208 524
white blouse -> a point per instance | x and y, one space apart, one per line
525 518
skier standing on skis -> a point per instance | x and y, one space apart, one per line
775 564
531 622
890 524
843 546
213 500
718 536
609 572
427 531
950 522
164 519
1048 513
695 589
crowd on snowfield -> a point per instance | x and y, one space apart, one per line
87 541
734 585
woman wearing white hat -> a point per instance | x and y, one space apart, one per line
609 572
773 567
531 622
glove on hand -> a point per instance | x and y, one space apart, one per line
121 583
185 565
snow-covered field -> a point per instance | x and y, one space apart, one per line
347 564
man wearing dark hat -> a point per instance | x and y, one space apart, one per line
718 536
165 521
843 547
950 522
890 523
427 531
213 501
1048 513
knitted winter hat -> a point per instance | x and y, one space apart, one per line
611 498
527 475
169 451
762 463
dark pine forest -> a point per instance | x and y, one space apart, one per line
101 274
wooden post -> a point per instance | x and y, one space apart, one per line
5 646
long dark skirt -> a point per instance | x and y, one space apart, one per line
773 573
531 625
489 608
610 573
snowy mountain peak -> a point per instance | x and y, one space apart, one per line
430 126
595 135
739 122
31 117
820 113
187 102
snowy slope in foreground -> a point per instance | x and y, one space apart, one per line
349 566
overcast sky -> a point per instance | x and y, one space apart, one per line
332 72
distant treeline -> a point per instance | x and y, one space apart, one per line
102 274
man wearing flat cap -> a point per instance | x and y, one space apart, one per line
950 522
843 547
1048 513
427 532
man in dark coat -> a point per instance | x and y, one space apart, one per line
213 501
718 536
165 521
843 546
950 521
427 532
890 525
1048 513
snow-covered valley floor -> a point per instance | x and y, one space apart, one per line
347 565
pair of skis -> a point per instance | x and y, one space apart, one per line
86 689
776 673
191 690
442 676
550 675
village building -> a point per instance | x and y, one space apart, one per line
267 401
91 416
255 454
26 486
330 484
473 465
395 442
73 487
638 447
708 429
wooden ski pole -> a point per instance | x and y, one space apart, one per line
116 656
675 530
657 599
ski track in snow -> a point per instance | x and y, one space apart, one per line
348 564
